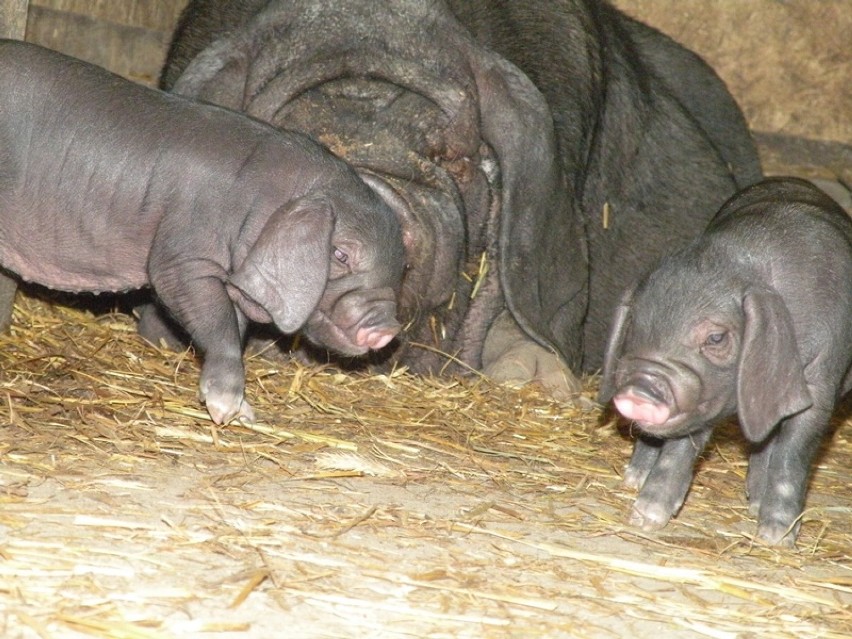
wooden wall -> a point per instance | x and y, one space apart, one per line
13 18
129 37
788 63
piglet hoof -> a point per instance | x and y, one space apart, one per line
224 411
648 516
635 477
754 507
778 533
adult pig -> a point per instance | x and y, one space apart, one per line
109 186
753 318
538 153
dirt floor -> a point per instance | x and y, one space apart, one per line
366 506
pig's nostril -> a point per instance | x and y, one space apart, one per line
647 385
375 338
646 389
380 340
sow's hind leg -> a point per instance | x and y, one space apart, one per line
511 357
8 287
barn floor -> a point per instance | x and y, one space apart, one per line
366 506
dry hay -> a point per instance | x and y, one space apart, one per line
365 505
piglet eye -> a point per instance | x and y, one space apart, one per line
340 256
716 339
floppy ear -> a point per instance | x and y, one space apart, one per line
286 271
613 346
543 263
771 381
217 75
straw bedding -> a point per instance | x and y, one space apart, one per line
367 505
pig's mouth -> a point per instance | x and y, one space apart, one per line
650 403
323 331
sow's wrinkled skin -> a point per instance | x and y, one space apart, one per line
499 133
753 318
109 186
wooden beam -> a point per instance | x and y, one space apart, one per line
157 15
134 52
13 18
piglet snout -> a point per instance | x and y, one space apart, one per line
377 327
640 409
642 403
375 337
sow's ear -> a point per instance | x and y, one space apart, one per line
613 346
217 74
286 271
543 264
771 381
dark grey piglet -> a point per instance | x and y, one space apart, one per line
753 318
106 185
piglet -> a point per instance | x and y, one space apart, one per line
753 318
106 185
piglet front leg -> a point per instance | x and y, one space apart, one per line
222 385
193 291
222 388
646 451
664 488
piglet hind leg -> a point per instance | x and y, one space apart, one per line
778 481
665 487
156 328
8 287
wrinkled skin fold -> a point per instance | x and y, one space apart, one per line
499 133
754 318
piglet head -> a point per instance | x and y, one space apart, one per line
671 389
671 386
329 263
692 344
357 310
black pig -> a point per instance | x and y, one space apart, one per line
753 318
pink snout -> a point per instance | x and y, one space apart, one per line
641 409
375 337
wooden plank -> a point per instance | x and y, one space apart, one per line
158 15
13 18
132 52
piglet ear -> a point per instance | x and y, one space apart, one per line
771 380
613 346
285 273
